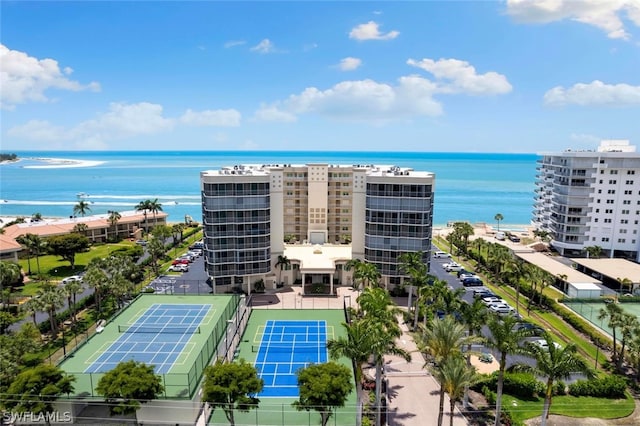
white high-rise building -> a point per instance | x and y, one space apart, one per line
255 214
591 198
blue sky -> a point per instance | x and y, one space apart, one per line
508 76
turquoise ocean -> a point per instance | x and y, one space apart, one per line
469 186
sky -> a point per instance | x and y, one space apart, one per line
515 76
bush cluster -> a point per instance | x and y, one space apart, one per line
521 385
607 387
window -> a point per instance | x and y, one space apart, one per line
624 221
609 201
607 221
623 231
599 191
609 211
597 210
631 172
625 211
605 239
611 191
613 182
621 240
601 172
629 182
600 181
614 172
628 192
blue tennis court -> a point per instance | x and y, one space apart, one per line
285 347
158 337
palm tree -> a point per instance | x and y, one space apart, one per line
594 251
498 217
38 245
71 290
463 230
383 342
281 263
9 275
554 362
143 206
32 307
624 282
355 345
612 312
628 325
81 228
411 264
455 376
474 316
367 274
154 207
506 340
82 208
113 219
25 242
51 298
515 271
36 217
441 341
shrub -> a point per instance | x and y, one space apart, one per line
559 388
607 387
489 394
521 385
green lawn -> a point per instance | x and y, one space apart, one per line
571 406
58 269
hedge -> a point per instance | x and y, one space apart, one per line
607 387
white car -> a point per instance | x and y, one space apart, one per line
180 267
439 254
500 308
76 278
452 267
543 343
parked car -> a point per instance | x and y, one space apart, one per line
514 238
500 308
535 329
77 278
452 267
180 267
472 282
197 245
462 272
543 343
500 236
439 254
141 242
488 300
481 292
180 261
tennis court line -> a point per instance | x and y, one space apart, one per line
98 352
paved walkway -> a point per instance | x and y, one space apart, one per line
414 394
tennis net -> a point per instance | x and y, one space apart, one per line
159 329
299 347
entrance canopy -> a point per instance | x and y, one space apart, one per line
317 259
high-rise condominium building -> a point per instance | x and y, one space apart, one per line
253 215
591 198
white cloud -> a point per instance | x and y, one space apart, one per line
370 31
39 130
234 43
594 93
349 64
120 122
606 15
24 78
264 47
363 100
217 118
463 77
273 114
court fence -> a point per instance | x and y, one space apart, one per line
219 344
274 414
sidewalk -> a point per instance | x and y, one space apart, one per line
414 394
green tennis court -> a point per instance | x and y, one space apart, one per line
177 334
590 311
274 407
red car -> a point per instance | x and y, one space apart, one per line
180 261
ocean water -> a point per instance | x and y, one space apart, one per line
469 186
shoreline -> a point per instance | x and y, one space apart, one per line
54 163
